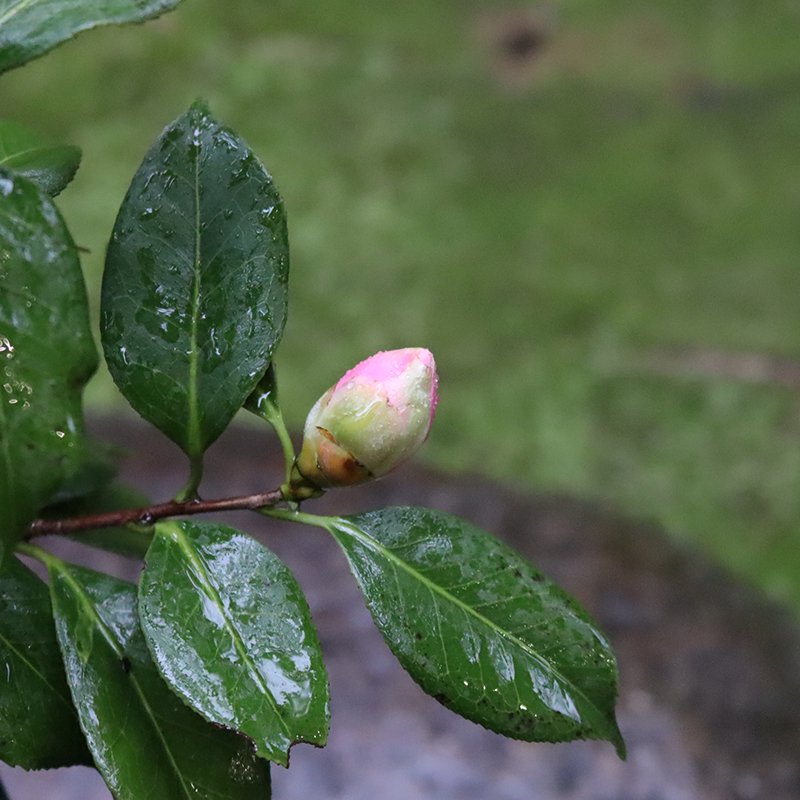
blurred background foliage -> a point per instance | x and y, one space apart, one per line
590 212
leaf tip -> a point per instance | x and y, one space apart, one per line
618 741
73 156
200 107
278 754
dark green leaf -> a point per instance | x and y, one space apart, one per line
92 472
480 629
231 633
29 28
38 725
263 401
145 741
50 167
46 354
195 286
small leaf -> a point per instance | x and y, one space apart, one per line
50 167
145 741
195 286
29 28
230 630
480 629
46 355
263 401
38 724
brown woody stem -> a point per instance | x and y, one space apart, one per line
149 514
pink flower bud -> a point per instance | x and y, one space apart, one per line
371 421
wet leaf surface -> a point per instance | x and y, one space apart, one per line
195 286
29 28
263 402
230 630
50 167
92 473
46 355
481 629
38 724
145 741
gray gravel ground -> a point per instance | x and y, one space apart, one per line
710 672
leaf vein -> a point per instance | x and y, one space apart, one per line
347 528
179 537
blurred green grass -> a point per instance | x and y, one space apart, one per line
554 226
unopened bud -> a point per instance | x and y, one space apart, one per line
371 421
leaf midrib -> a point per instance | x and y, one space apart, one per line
151 714
14 9
9 157
10 645
89 606
194 421
174 532
362 536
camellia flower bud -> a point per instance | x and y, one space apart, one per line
371 421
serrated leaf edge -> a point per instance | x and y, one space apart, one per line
601 723
87 604
176 534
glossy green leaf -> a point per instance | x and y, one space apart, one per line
481 629
145 741
38 724
94 468
50 167
230 630
29 28
46 354
195 286
263 401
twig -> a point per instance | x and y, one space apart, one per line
149 514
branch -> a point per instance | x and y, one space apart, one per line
149 514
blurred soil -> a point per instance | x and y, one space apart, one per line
710 671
